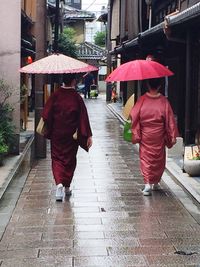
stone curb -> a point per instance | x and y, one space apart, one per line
17 164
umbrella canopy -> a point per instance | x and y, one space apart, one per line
57 64
139 69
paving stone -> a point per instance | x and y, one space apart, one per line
3 246
67 236
19 253
167 250
49 262
113 227
136 221
175 259
182 241
179 234
115 242
88 235
21 237
130 260
51 243
106 222
74 252
136 234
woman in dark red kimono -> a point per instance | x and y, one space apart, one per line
66 118
153 127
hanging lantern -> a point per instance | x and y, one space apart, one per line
29 60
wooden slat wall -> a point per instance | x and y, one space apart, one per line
115 19
132 18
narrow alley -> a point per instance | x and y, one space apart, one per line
107 221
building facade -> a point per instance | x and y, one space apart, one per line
168 30
18 47
74 3
10 24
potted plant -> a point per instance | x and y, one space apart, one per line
192 160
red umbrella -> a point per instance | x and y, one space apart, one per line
138 70
57 63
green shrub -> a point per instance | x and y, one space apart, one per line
7 128
3 146
66 43
100 38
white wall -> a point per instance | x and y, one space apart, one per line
91 28
10 28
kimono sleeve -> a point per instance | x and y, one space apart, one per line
84 129
135 118
47 115
170 125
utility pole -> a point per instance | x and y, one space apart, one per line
57 21
40 34
109 61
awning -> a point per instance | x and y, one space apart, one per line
25 52
26 43
28 46
184 16
127 44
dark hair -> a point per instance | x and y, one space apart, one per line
68 78
154 83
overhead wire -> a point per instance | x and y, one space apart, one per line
91 4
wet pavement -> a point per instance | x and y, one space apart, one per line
106 221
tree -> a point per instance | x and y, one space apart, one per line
100 38
66 43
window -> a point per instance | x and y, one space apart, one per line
68 1
77 1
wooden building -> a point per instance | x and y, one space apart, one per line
74 3
169 30
94 55
76 19
28 42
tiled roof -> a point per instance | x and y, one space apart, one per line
88 50
52 3
103 17
71 13
178 19
78 15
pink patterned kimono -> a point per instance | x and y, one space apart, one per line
153 127
64 113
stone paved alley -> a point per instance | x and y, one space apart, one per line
106 221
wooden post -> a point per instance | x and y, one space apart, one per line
40 34
109 62
188 88
57 15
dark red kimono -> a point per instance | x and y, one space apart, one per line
64 113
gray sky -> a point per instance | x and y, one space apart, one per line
93 5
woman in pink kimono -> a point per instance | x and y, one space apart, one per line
153 127
68 126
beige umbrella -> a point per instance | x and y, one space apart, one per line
128 106
57 64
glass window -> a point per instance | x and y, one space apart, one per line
68 1
77 1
